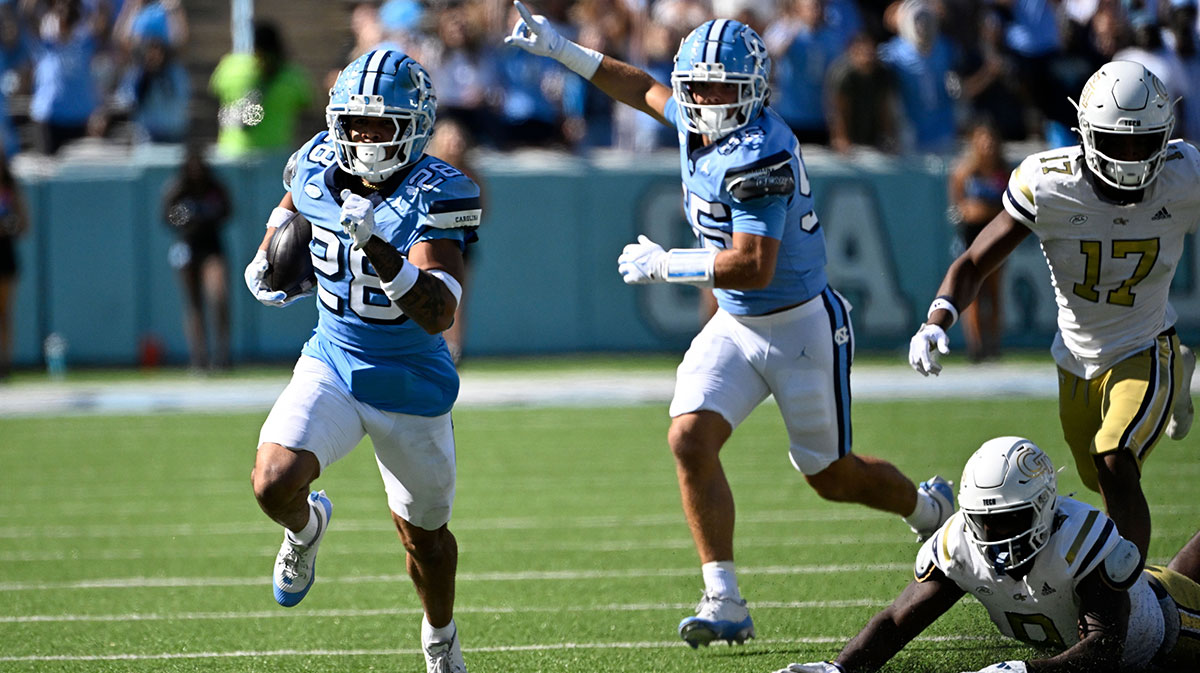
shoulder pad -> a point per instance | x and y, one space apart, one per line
453 203
290 168
1122 566
775 179
926 562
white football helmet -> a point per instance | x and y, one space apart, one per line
1008 495
1125 110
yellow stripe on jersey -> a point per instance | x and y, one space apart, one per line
1083 533
1022 185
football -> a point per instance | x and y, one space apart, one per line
290 263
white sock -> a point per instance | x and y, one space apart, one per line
306 535
926 513
720 579
429 634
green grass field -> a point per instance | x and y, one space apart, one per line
135 544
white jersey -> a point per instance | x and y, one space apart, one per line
1111 265
1042 608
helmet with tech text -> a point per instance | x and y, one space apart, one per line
1125 121
1008 496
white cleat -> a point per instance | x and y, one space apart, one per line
1183 411
942 492
444 656
296 564
717 618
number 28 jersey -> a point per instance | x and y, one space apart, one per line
386 359
1111 265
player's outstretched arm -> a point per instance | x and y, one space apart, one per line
917 606
959 288
622 82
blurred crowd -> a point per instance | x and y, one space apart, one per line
901 76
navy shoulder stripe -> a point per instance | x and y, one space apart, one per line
455 205
1099 544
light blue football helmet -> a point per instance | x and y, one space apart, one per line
382 83
726 51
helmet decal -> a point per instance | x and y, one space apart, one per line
385 84
1125 122
722 51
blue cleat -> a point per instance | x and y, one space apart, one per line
942 493
717 618
296 564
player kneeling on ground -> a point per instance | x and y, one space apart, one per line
388 228
1051 571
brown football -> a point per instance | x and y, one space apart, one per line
290 261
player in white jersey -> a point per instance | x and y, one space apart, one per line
1052 572
389 225
780 329
1111 215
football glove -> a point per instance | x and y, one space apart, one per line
643 262
358 218
535 34
814 667
255 271
1003 667
920 354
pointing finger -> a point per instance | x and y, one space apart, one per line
524 11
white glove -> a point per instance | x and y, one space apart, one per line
1003 667
535 34
920 356
358 218
814 667
643 262
255 270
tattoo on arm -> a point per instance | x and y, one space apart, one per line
427 302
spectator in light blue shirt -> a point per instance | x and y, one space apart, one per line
64 91
155 91
803 49
922 61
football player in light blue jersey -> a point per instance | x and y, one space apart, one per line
389 226
780 329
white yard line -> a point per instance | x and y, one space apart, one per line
506 576
645 645
490 390
390 612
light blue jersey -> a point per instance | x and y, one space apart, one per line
719 202
386 359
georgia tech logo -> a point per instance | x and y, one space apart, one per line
1033 463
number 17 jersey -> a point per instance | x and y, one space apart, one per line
1111 265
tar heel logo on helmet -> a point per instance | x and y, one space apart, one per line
720 52
384 84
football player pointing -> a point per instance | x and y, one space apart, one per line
1051 571
1111 215
780 330
389 225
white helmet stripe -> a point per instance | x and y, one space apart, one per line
712 41
370 80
